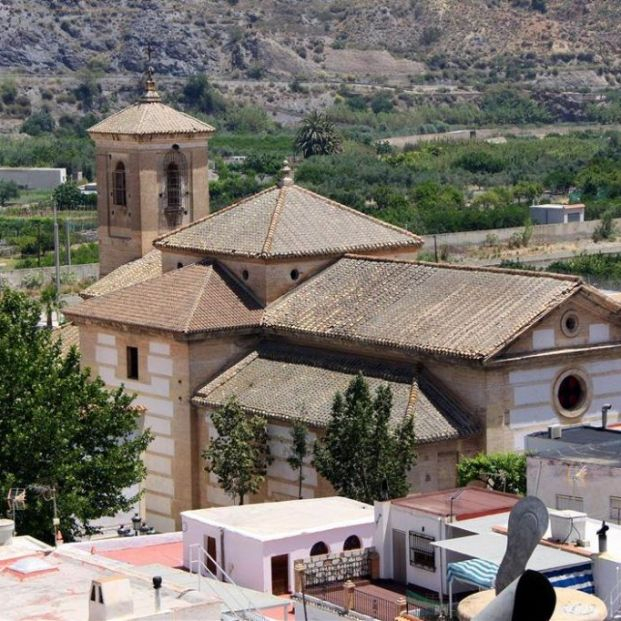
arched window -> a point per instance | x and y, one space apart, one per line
319 548
119 192
352 543
173 187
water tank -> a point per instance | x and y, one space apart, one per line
568 526
6 531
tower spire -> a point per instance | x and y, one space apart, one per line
150 93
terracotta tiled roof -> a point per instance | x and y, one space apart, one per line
445 309
195 299
287 221
297 383
69 335
131 273
148 118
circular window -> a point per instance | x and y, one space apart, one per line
295 274
570 323
571 393
245 274
319 548
179 265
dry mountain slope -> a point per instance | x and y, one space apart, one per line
303 37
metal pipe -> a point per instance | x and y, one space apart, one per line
56 251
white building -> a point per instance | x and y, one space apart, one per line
257 545
577 468
557 214
35 178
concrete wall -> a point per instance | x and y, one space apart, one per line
542 233
248 560
35 178
594 483
19 278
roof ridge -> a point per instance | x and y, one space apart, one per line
280 203
187 324
469 268
157 241
359 213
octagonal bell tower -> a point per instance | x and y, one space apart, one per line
152 176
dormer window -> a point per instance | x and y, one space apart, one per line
119 191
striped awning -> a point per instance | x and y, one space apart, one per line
482 574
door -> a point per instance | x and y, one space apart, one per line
209 543
280 574
398 557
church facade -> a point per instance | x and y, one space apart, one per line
281 298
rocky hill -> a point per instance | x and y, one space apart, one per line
552 46
390 38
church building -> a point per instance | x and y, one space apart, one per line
281 298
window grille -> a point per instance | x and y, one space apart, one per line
564 501
615 509
173 187
422 553
119 190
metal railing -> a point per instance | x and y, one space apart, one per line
247 611
374 606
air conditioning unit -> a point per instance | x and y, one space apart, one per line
555 432
568 526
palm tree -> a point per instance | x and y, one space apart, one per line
317 136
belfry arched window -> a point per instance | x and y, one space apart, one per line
119 186
173 194
173 187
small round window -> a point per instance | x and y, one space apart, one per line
571 393
245 274
295 274
570 323
179 265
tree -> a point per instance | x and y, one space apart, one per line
67 195
51 303
299 451
239 454
39 123
365 455
200 95
317 136
8 190
505 472
62 429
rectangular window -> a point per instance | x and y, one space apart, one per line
575 503
422 553
615 509
132 363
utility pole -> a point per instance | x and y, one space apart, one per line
56 250
68 235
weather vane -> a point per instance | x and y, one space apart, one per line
149 67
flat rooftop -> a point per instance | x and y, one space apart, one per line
56 585
460 503
583 434
279 520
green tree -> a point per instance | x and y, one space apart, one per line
67 195
299 451
200 95
51 302
61 428
239 454
363 455
41 122
8 190
317 136
505 472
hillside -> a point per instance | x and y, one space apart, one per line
565 52
394 38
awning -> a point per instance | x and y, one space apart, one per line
491 547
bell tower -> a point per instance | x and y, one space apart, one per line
152 176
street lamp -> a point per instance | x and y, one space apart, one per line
136 521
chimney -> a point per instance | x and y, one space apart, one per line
7 528
605 408
157 585
110 598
